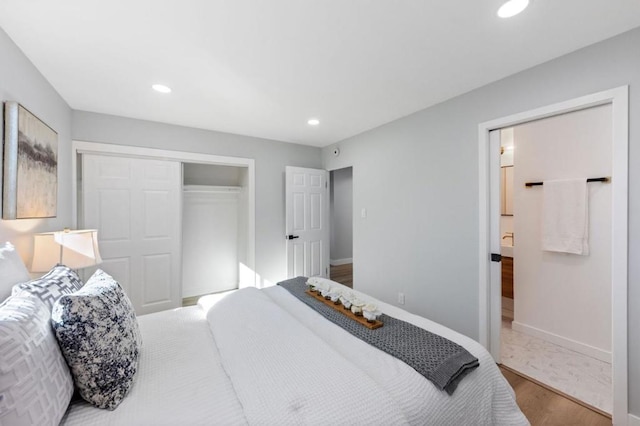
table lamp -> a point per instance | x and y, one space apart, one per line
76 249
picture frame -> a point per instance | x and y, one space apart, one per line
30 184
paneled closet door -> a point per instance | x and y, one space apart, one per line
135 205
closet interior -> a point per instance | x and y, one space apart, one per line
214 227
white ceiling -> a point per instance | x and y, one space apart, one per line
262 68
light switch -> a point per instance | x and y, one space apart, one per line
363 213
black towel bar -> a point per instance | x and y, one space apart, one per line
600 179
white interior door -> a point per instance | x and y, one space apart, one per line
307 222
135 205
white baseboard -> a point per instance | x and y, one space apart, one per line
336 262
633 420
582 348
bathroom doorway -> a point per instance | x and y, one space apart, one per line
608 239
341 224
556 303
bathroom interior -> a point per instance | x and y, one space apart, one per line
549 298
506 219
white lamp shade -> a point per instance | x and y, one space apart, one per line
75 249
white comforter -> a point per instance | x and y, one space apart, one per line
263 357
289 365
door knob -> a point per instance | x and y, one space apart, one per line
292 237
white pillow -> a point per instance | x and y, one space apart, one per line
12 270
35 383
58 281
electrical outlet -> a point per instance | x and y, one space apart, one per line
401 298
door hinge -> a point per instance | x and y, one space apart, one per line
495 257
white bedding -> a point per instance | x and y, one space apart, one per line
263 357
483 397
180 380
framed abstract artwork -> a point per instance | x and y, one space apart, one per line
30 184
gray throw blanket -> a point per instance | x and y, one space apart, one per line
440 360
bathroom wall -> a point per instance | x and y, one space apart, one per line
565 298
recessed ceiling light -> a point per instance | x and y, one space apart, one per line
161 88
313 122
512 8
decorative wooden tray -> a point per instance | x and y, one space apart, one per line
362 320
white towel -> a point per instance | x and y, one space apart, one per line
565 216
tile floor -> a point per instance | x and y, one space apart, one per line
582 377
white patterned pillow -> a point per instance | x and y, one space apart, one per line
35 382
48 288
12 269
99 336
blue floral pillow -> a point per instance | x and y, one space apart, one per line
99 336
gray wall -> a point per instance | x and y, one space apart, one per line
341 206
20 81
418 179
271 157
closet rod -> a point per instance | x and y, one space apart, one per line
600 179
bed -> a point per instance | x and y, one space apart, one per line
264 357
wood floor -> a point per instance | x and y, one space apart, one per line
543 406
342 274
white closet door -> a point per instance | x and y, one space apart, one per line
135 205
210 242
